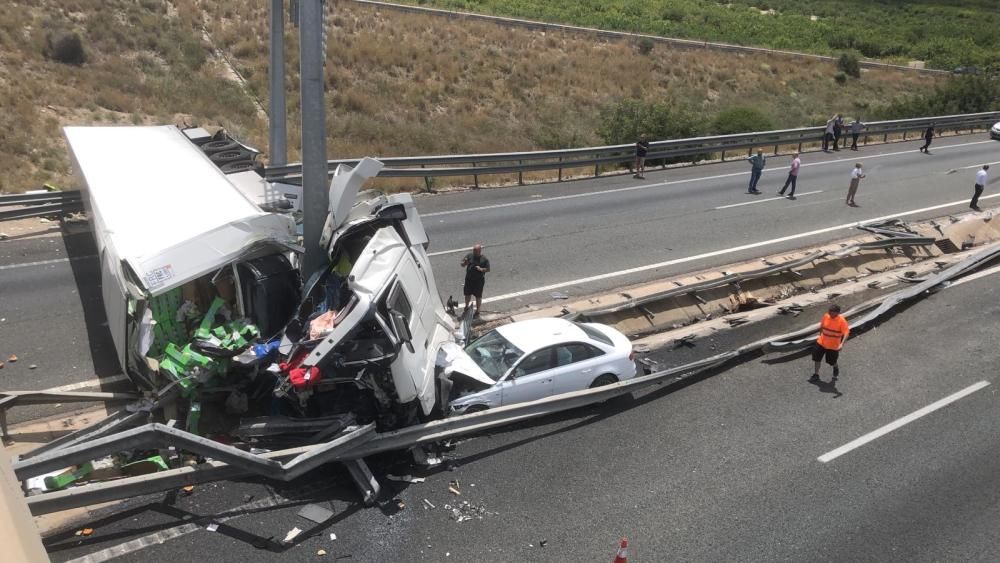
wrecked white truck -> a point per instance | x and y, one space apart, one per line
203 293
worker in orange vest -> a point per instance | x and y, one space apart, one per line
833 331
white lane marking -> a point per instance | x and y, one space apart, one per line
834 454
766 199
455 251
96 382
46 262
721 252
953 170
537 200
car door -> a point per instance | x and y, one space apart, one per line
575 367
530 378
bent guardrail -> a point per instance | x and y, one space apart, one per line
476 165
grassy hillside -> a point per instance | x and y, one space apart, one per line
397 84
945 34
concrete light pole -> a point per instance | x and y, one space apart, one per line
315 194
278 132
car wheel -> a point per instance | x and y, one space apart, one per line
602 380
475 408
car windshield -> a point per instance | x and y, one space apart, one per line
494 354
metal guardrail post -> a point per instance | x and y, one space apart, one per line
475 177
427 181
520 174
596 170
723 155
560 171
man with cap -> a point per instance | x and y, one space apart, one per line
476 265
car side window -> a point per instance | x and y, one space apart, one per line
575 352
534 363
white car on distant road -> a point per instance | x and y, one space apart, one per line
995 132
534 359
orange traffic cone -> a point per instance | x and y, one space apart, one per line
622 555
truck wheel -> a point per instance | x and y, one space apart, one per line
213 147
237 166
602 380
230 156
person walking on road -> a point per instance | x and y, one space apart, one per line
856 175
981 178
793 175
641 148
476 265
828 135
833 331
757 163
928 137
856 126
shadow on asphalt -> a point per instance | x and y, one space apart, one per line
82 253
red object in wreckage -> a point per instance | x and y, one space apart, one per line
300 377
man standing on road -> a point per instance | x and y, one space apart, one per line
476 265
641 148
793 175
981 178
757 163
855 131
838 128
833 331
856 175
928 137
828 135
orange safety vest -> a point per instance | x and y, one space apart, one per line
832 332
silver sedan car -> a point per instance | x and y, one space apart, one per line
534 359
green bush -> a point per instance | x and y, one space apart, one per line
65 47
964 94
740 119
848 63
840 77
624 122
645 45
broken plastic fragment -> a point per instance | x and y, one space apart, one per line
212 527
333 537
405 478
292 534
321 552
12 358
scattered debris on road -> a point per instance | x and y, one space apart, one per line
405 478
291 535
321 552
315 513
12 358
212 527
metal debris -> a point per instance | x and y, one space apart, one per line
405 478
467 511
315 513
559 295
429 504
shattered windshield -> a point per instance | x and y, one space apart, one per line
494 354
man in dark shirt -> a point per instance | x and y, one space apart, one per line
476 265
928 137
641 148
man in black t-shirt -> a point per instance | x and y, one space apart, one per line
476 265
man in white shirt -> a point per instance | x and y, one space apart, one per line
793 175
856 175
981 178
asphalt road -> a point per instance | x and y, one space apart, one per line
724 469
542 238
592 235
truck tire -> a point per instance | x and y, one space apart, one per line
213 147
602 380
237 166
233 155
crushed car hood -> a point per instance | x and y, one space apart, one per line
457 361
